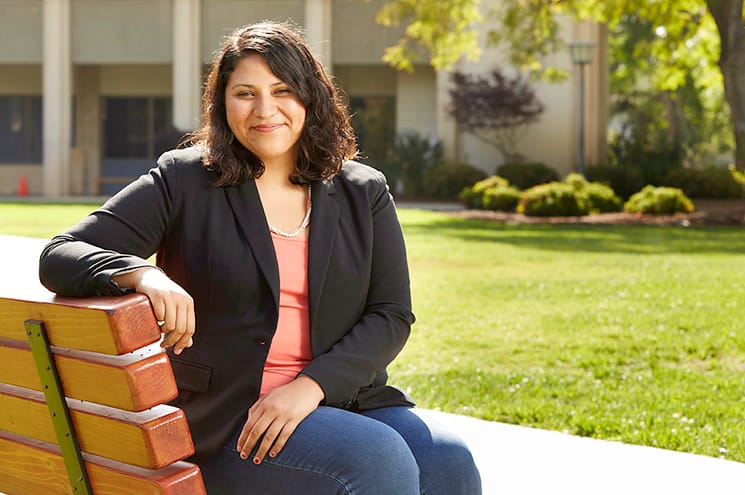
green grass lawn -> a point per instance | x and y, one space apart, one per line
618 332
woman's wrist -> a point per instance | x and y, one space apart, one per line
311 386
130 279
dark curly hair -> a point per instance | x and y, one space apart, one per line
327 139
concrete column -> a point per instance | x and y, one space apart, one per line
187 64
88 126
57 97
597 94
318 33
447 129
599 111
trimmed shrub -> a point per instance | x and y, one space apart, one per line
472 197
526 175
501 198
553 199
446 180
659 201
600 198
625 180
707 182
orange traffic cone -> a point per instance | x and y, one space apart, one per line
22 186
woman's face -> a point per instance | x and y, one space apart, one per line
263 112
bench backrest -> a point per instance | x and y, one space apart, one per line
116 381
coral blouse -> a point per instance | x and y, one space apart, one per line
290 348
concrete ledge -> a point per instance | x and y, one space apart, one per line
515 460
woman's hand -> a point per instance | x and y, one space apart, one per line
276 415
172 305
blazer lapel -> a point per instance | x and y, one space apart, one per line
323 222
246 205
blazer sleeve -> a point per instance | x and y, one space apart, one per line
116 238
360 357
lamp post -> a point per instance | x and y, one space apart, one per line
581 53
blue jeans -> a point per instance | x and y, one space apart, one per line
387 451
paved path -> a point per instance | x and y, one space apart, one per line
516 460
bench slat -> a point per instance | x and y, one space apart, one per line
110 325
134 381
150 439
33 467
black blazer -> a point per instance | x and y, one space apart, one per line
215 243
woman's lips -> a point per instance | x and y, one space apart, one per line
266 127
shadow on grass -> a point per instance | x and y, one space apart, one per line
586 238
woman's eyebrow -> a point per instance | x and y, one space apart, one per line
246 85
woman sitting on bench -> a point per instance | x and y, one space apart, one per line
281 283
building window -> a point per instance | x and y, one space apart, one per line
135 132
374 123
20 129
132 126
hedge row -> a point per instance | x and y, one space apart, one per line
575 196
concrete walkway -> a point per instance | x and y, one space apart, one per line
516 460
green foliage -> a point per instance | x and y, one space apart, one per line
573 197
737 175
446 180
665 47
415 154
406 159
375 125
624 180
526 175
600 198
707 182
442 27
555 199
473 196
501 198
530 30
659 201
653 162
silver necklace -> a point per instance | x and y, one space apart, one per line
303 224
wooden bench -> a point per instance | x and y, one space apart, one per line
112 433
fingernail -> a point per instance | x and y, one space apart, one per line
243 456
272 454
257 460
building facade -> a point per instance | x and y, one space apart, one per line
91 91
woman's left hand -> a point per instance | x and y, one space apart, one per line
276 415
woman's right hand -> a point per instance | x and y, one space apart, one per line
172 305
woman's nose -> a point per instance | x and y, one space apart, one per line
265 106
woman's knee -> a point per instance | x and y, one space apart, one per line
445 461
384 462
456 459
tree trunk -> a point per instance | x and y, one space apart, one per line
728 17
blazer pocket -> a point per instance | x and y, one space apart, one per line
191 376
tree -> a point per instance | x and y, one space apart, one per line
530 30
730 19
657 128
494 108
440 27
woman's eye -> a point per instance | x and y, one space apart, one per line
284 91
